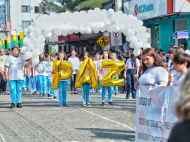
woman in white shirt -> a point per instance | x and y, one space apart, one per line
131 73
154 71
96 63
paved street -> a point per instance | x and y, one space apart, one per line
42 120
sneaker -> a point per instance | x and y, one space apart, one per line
88 104
84 105
72 93
115 94
103 104
19 105
5 92
28 90
127 97
55 97
49 96
65 105
100 91
134 97
96 91
34 93
110 103
24 89
75 92
12 105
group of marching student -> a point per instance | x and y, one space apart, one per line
150 69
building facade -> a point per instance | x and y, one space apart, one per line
169 20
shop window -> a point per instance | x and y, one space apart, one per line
181 25
25 24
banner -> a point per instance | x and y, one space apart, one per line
155 115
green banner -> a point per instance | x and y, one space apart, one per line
14 43
3 46
21 42
8 46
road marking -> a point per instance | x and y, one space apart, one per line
105 118
2 137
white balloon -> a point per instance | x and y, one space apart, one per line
35 60
23 49
26 41
137 51
28 55
146 45
36 51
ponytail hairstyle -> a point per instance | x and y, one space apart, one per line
133 59
157 60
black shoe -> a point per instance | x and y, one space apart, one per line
110 103
75 93
123 92
115 94
19 105
103 104
49 96
12 105
88 104
72 93
134 97
65 105
55 97
127 97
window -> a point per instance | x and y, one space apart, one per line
25 24
25 8
181 25
37 9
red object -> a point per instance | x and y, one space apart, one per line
188 0
136 9
170 6
68 37
9 28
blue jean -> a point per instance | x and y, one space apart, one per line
38 80
16 93
131 82
99 84
53 91
86 89
27 83
62 92
104 93
32 83
115 88
24 81
44 82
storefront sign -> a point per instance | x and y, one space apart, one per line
174 35
181 35
143 8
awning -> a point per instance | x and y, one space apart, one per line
165 16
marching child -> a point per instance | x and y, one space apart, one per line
63 83
181 65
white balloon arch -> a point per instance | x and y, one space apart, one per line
84 22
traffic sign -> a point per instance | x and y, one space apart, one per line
103 41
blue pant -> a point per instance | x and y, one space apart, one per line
38 79
62 92
24 81
104 93
69 81
32 83
49 85
99 84
15 87
115 88
27 83
86 89
131 82
44 82
53 91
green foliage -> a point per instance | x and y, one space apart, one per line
75 5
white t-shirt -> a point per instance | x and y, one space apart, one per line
96 63
169 63
50 65
179 81
175 74
40 68
154 75
104 70
15 66
87 70
44 63
3 59
74 62
128 63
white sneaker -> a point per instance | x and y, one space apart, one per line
84 105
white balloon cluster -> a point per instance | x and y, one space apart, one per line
85 22
187 52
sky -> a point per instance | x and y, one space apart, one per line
2 18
